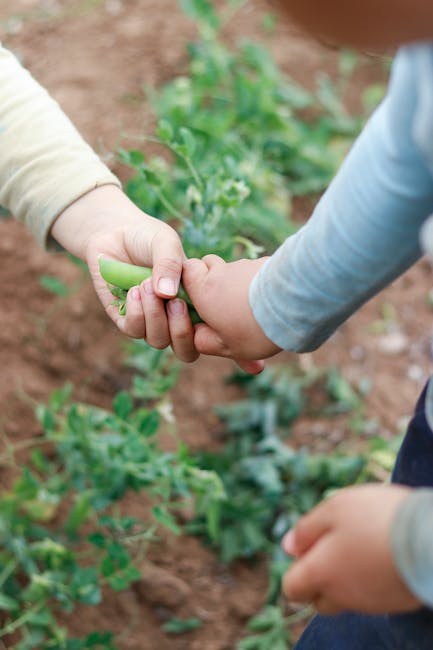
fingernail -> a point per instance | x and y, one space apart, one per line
135 293
148 287
176 307
167 286
288 543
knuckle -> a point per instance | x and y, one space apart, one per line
169 265
154 313
212 258
134 328
159 344
187 356
182 334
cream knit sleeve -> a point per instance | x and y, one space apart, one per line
45 165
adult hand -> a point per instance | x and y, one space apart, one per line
106 222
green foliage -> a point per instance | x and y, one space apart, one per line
71 498
240 147
270 631
269 484
54 285
236 147
181 625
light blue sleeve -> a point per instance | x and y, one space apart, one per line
411 543
364 231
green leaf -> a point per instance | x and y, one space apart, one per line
54 285
188 141
147 422
165 131
84 586
60 397
46 418
122 579
166 519
122 405
78 514
7 603
181 625
202 11
101 640
98 539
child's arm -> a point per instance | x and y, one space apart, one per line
367 549
54 182
363 233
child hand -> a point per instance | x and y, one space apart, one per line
343 552
106 222
219 292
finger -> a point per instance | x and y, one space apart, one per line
289 543
157 333
325 605
212 260
207 341
133 324
194 274
181 331
251 367
168 257
310 528
300 582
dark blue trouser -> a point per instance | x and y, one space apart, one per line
413 631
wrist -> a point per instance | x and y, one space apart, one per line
102 210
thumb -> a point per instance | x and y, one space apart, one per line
309 529
157 245
207 341
167 260
194 275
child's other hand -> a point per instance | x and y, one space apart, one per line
106 222
343 551
219 292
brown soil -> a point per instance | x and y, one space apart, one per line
96 58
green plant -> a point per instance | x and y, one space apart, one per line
235 148
238 144
181 625
62 533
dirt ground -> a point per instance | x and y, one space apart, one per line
97 58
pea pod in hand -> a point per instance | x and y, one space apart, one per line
121 276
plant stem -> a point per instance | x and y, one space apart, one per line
170 207
299 616
19 622
9 568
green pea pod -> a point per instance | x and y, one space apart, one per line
121 276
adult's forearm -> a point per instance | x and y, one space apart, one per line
45 165
103 209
